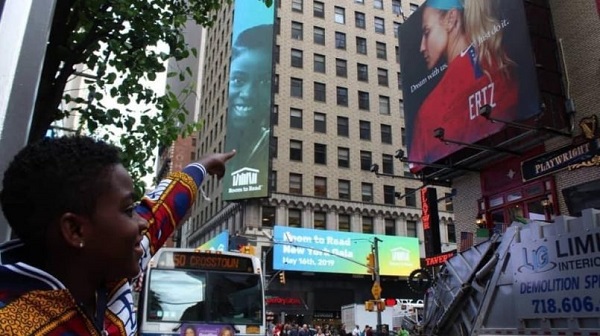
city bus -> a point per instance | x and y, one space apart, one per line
192 292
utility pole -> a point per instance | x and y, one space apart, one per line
377 283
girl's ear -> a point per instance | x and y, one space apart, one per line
72 229
451 19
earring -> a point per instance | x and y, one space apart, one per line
80 244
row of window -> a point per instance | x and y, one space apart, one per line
319 8
343 220
342 99
320 65
297 33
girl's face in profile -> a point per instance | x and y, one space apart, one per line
435 36
250 83
190 332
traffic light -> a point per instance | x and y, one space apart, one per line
282 277
247 249
369 305
370 263
380 305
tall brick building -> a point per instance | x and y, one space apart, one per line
337 110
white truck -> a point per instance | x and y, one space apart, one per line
355 314
535 279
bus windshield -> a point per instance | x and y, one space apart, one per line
196 296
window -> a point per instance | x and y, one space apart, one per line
296 58
341 67
320 153
274 146
344 189
396 28
320 186
295 150
367 224
382 77
410 197
366 160
388 195
411 228
413 7
268 216
320 92
294 218
319 9
340 40
386 134
296 184
396 7
406 170
276 84
378 4
295 118
451 232
399 75
367 192
276 54
343 157
362 72
403 136
397 49
384 105
297 30
344 222
365 130
320 220
448 202
381 50
363 100
342 96
296 87
379 25
297 5
319 63
319 35
342 126
277 26
387 162
320 123
340 15
390 227
361 45
359 20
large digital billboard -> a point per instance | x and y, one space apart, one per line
457 56
298 249
250 101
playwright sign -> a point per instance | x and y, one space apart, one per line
299 249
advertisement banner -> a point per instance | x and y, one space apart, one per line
200 329
250 101
218 243
309 250
455 58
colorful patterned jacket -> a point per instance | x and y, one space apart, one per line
33 302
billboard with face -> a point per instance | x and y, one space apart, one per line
250 101
298 249
457 56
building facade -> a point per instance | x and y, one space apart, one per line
559 174
337 110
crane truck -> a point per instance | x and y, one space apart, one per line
537 278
